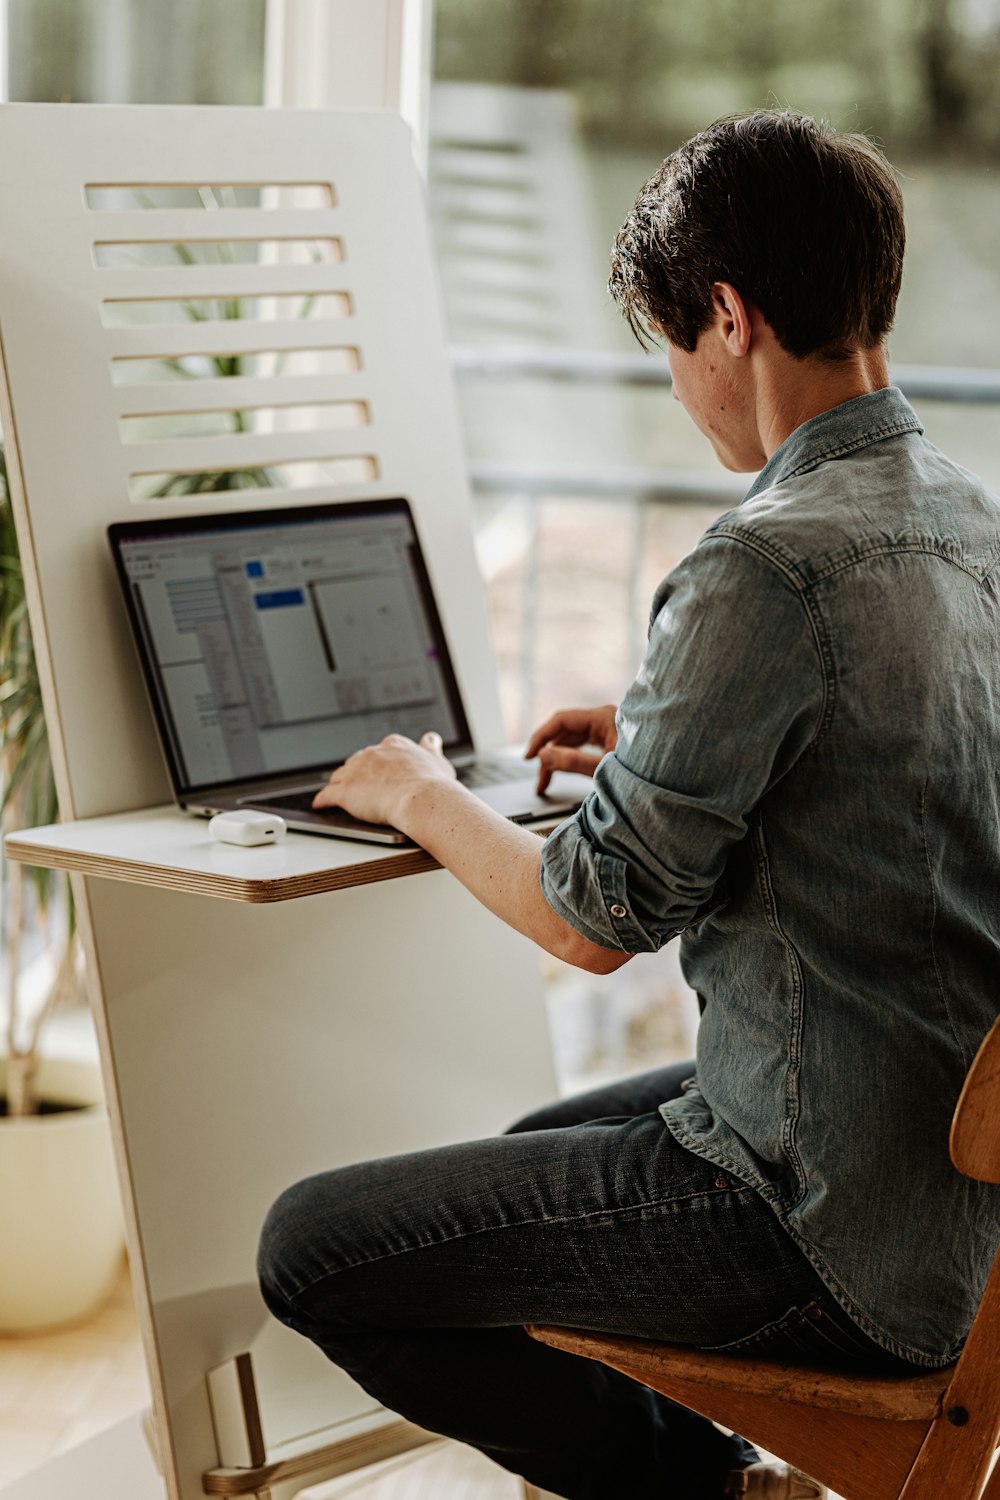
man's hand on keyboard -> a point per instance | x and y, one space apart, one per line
560 743
373 783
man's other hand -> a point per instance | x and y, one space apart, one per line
373 784
560 743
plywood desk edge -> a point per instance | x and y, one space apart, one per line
26 848
44 847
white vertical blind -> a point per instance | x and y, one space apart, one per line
4 88
358 53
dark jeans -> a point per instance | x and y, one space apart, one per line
415 1274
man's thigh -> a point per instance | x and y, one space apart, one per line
610 1225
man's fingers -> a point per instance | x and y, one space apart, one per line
542 735
433 742
561 758
572 727
327 796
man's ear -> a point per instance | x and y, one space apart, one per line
732 318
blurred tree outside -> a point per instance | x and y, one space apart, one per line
136 51
923 75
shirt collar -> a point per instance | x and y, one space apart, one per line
841 430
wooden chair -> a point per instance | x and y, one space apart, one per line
869 1437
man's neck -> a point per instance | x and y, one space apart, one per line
791 391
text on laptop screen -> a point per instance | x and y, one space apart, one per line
280 645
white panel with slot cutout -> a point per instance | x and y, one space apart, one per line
316 209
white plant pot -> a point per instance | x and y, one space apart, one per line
60 1216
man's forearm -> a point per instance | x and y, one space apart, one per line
499 863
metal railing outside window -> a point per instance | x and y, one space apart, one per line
543 504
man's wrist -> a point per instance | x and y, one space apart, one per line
420 804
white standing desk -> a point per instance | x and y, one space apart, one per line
246 1042
280 1037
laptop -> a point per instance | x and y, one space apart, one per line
276 642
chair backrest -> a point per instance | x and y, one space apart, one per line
955 1456
975 1128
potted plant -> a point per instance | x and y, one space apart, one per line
60 1220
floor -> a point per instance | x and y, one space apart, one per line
57 1389
446 1471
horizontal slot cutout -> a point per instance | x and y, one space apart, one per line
321 416
257 364
286 250
290 474
115 197
270 307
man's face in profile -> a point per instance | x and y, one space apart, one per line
710 386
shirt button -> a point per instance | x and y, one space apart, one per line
618 910
722 1182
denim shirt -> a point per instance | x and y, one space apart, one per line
806 785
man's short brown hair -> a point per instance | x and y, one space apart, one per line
806 224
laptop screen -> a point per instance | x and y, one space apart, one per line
280 641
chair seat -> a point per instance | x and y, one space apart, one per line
894 1398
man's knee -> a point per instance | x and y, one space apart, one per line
327 1224
286 1254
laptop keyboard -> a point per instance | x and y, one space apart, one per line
478 773
292 801
491 772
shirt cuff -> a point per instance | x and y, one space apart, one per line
589 891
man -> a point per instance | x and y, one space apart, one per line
801 780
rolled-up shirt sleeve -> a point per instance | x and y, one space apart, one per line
731 692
